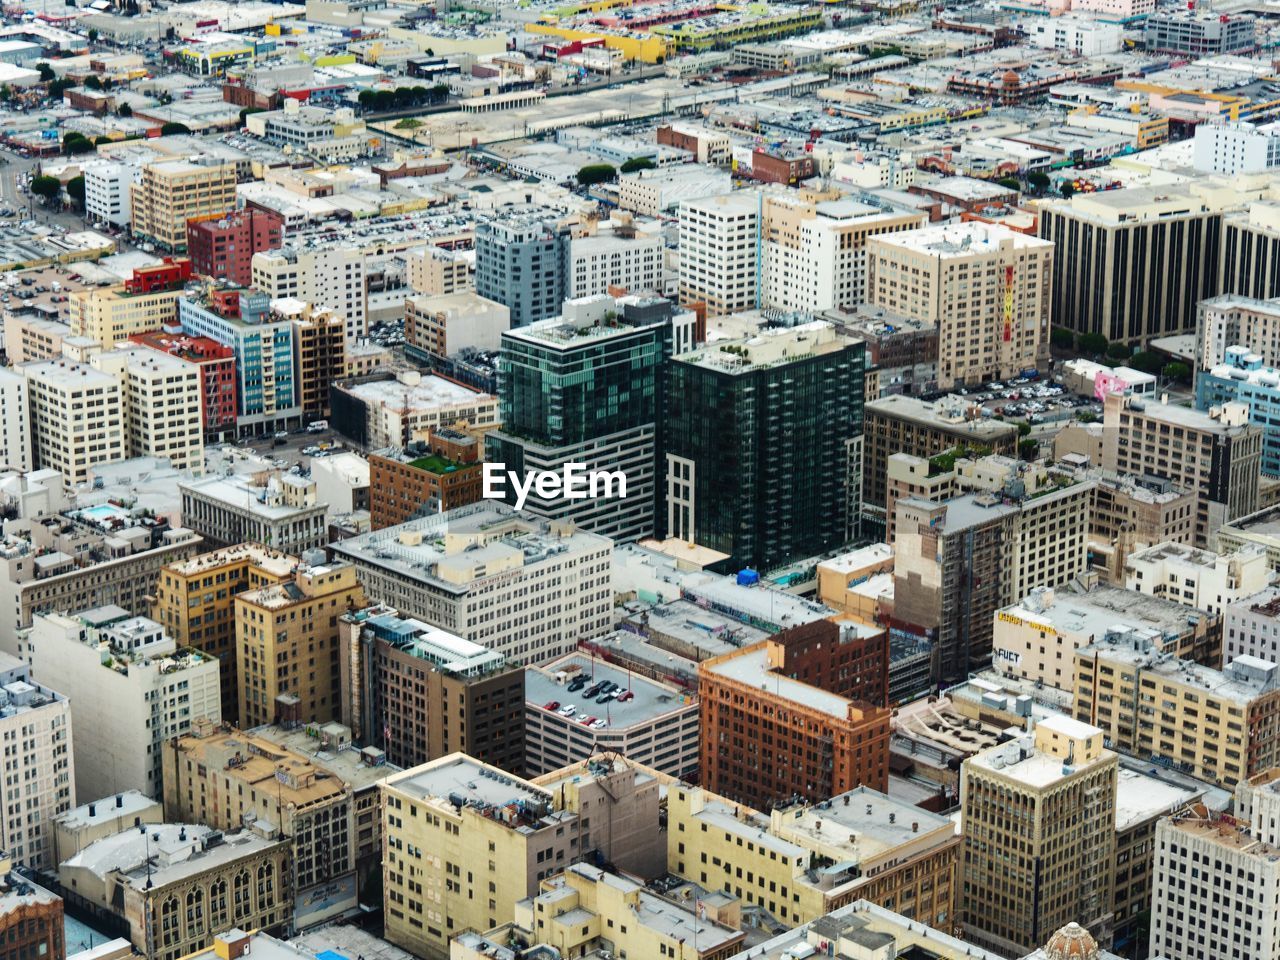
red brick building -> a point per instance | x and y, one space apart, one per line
768 736
31 920
444 475
789 169
217 366
222 247
172 272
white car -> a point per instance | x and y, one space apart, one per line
568 710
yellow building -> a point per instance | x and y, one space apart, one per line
287 645
854 582
195 603
171 192
585 908
802 862
111 314
466 842
224 778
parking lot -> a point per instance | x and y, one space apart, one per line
1033 401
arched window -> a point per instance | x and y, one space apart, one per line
169 921
218 904
243 900
195 912
266 883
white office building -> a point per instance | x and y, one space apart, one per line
1236 147
131 691
15 423
107 188
599 262
720 241
77 417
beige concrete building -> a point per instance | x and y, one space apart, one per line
852 582
195 603
226 779
1215 455
177 885
1039 817
171 192
28 338
901 424
1131 513
1231 319
876 848
1200 907
466 842
584 909
435 271
163 405
103 817
815 249
719 252
987 288
1221 726
287 645
131 688
1036 638
74 561
77 417
111 314
1197 578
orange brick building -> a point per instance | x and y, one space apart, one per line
445 474
768 736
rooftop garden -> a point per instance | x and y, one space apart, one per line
434 463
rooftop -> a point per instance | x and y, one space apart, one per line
273 561
952 414
126 805
1102 609
467 783
446 651
650 699
430 392
243 493
1242 681
751 667
866 823
1141 798
962 240
177 852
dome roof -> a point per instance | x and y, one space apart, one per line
1011 78
1072 942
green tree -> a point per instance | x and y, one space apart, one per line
597 173
1062 338
60 86
93 34
172 128
637 163
1091 344
1118 351
440 93
74 143
1038 180
46 188
246 111
1177 371
366 99
1067 189
1024 429
75 190
1146 361
93 82
45 71
383 100
420 94
402 97
124 110
1027 449
6 93
1011 182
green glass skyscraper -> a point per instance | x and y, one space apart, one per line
762 444
586 388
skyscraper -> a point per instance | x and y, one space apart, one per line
762 448
522 262
586 389
1039 837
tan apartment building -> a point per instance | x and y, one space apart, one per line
33 338
287 645
435 271
901 424
465 842
111 314
1217 455
815 248
987 288
163 399
1130 513
1039 822
800 862
1221 726
195 603
172 192
226 778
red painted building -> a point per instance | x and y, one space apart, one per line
173 272
217 374
222 247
